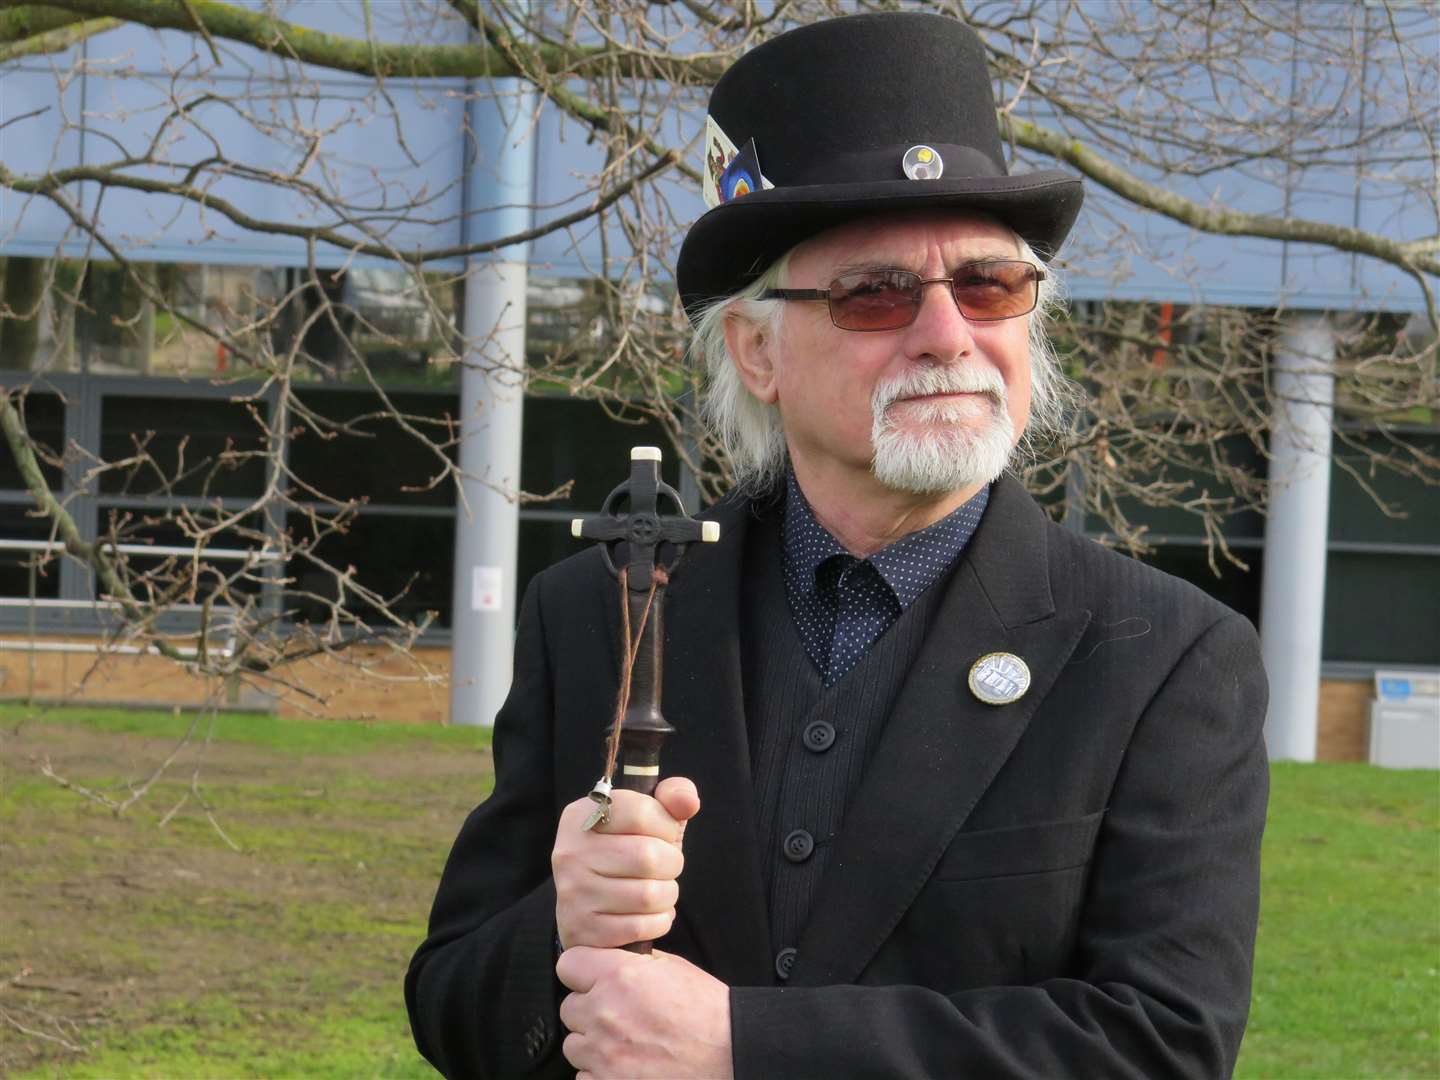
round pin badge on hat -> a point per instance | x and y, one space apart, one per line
922 162
998 678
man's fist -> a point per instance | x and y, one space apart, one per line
616 883
643 1016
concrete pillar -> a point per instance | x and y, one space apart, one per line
498 201
1292 599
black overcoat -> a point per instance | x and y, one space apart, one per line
1066 885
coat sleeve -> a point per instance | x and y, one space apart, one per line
1161 981
481 990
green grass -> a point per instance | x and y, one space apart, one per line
167 954
323 737
1347 966
187 959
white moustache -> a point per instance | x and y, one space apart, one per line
923 382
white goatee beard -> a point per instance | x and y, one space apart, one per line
952 454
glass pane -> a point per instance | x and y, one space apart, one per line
542 543
1235 588
1354 514
569 439
194 446
1382 608
38 334
16 524
1235 452
402 328
407 560
44 416
153 320
161 528
384 459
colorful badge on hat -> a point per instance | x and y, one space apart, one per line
742 175
922 162
730 171
998 678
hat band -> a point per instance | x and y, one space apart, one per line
886 163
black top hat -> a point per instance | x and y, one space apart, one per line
856 116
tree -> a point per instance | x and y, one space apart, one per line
1177 113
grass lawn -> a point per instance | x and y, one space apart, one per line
132 948
1347 966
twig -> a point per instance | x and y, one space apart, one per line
66 1043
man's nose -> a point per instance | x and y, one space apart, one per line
939 334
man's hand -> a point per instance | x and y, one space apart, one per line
616 883
643 1016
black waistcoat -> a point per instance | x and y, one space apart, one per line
808 744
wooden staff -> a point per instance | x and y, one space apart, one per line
641 547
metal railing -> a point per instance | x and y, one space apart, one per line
34 604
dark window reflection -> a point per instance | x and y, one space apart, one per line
1382 608
44 416
1237 452
161 528
383 459
407 560
197 446
1354 514
541 544
568 439
1235 588
15 574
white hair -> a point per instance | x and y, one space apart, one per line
752 433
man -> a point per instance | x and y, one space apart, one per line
954 792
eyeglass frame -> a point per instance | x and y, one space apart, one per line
824 294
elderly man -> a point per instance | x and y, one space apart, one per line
955 792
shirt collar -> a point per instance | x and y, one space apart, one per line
909 566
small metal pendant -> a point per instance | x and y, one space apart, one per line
600 794
998 678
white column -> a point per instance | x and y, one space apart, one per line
1292 599
499 196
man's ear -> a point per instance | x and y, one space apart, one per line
752 351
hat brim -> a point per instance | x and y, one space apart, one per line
735 242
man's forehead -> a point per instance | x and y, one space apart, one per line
897 240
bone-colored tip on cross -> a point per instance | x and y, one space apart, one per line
645 453
709 532
576 526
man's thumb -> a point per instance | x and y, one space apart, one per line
679 797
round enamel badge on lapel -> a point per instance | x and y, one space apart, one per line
998 678
922 163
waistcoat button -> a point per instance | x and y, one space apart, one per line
819 736
798 846
784 961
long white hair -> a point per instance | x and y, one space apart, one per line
751 432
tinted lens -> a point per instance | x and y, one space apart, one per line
874 300
996 290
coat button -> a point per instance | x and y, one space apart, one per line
784 961
819 736
798 846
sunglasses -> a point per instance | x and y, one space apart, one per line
871 300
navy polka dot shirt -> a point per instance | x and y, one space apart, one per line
843 604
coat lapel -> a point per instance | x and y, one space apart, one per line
721 895
941 746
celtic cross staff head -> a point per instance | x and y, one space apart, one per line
633 531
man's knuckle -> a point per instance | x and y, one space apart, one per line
652 895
